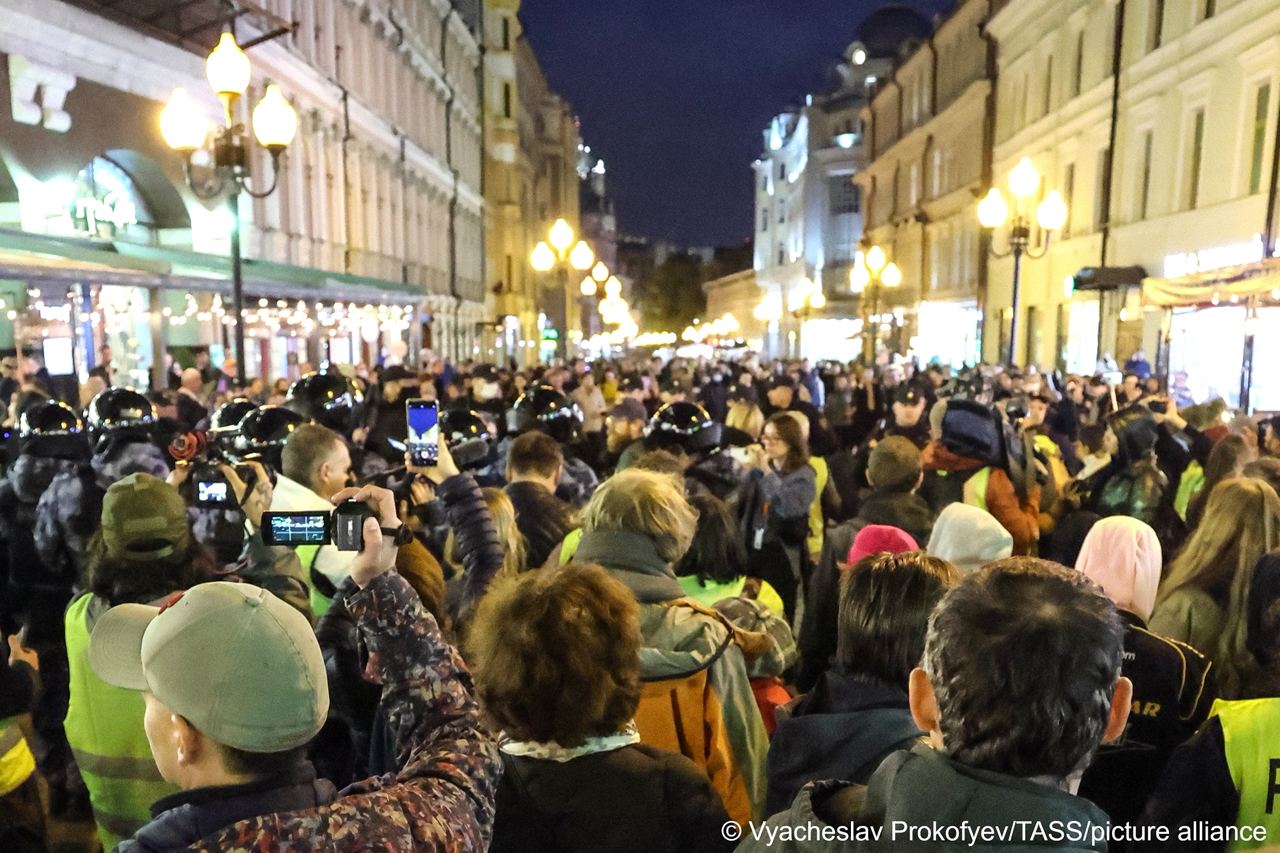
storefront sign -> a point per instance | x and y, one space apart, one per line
115 209
1235 254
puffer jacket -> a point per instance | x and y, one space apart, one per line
441 799
542 518
69 511
21 569
697 697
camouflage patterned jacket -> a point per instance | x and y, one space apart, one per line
63 523
442 798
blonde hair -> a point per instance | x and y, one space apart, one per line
503 513
1241 523
746 416
645 503
504 518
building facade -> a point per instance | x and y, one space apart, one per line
531 157
928 140
372 244
1163 152
809 209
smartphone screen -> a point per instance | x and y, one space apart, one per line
424 431
295 528
211 492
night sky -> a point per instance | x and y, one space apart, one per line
675 95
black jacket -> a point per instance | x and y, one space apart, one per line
1172 694
923 788
636 798
543 519
1196 787
904 510
841 730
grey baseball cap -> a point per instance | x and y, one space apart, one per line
238 663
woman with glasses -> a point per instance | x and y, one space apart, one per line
778 512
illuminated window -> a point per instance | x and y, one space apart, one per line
1258 136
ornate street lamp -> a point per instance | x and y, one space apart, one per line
872 270
185 129
993 213
564 252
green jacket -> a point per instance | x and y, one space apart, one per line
680 643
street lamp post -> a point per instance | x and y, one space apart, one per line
872 270
185 129
993 212
560 251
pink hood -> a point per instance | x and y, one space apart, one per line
1122 555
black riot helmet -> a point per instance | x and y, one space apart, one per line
229 415
459 425
329 399
468 437
264 432
53 429
544 409
683 426
119 410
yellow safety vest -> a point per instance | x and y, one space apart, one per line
320 603
821 475
104 727
975 488
1253 759
16 761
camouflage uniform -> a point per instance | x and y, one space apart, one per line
62 530
20 492
442 798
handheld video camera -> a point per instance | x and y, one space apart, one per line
343 527
207 455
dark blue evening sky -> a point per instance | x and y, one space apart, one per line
675 95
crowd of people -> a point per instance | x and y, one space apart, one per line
641 604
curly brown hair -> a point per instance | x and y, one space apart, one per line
556 655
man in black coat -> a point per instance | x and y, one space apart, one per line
534 464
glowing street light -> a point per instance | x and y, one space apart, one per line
185 129
994 211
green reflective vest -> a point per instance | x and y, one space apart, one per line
16 761
975 488
320 603
104 727
1253 758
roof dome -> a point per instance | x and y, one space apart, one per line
892 31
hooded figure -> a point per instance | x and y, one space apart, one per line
1172 682
969 538
1132 484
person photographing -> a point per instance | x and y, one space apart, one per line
234 685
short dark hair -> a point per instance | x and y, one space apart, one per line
259 765
894 465
556 654
535 453
1023 656
717 553
304 451
1093 437
885 602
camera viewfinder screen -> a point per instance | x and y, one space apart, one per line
424 431
311 528
211 492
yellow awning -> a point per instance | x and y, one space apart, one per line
1213 286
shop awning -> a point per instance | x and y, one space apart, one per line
38 258
1213 286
